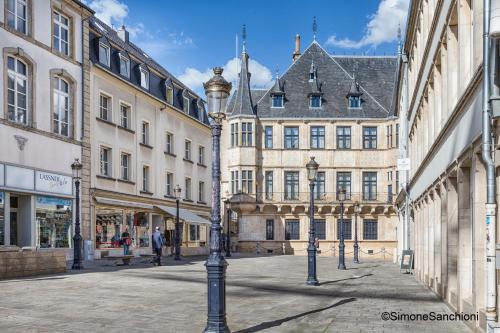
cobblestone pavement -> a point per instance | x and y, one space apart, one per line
264 294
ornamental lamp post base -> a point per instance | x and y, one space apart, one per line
77 257
216 269
356 253
312 280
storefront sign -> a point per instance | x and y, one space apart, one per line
403 164
53 183
2 173
19 177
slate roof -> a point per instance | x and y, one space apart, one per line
375 75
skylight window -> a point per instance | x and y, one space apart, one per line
315 101
277 101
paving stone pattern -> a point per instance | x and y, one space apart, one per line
264 294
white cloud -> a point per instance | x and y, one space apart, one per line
261 75
382 27
111 12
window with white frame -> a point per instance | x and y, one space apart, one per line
247 181
201 191
124 66
145 178
145 133
169 183
105 111
268 137
169 149
194 232
124 116
61 37
105 161
170 95
187 185
61 105
17 90
17 15
104 54
315 101
144 77
269 185
277 101
187 150
354 102
185 105
125 166
201 155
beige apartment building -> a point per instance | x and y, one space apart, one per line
148 133
338 109
42 70
440 98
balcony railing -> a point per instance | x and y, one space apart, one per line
386 198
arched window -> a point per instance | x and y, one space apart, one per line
17 90
61 107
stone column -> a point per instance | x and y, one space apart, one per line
444 238
452 241
464 239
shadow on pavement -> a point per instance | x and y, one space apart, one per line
274 323
346 279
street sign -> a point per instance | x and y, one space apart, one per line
407 261
403 164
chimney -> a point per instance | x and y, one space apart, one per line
296 54
123 34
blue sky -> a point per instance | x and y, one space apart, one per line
191 36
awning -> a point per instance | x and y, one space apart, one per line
120 203
184 214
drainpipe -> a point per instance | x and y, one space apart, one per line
490 187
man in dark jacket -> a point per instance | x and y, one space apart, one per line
157 242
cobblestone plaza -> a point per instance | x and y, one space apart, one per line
264 294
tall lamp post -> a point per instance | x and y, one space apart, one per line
77 238
341 197
357 210
177 236
217 90
228 217
312 170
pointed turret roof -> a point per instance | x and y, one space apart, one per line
243 98
354 89
278 86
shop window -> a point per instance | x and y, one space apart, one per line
194 233
108 228
141 226
54 221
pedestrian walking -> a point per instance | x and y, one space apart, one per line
126 241
158 243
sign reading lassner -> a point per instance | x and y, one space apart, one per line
53 183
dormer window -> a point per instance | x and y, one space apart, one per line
170 95
315 101
144 77
124 66
277 101
185 105
354 101
104 51
312 76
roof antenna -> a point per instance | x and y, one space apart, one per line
315 28
244 37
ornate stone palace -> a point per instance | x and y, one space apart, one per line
338 109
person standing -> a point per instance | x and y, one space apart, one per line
126 240
157 242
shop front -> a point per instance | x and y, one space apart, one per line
113 218
36 208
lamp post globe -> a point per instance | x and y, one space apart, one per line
217 90
357 210
76 168
341 198
177 236
312 170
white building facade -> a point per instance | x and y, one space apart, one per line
41 122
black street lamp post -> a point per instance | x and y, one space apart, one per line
341 197
228 218
177 236
312 170
77 238
217 90
357 210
